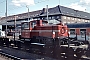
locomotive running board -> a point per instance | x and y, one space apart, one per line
37 43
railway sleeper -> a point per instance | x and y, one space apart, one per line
8 56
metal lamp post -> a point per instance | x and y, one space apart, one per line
6 19
47 12
28 12
76 15
15 29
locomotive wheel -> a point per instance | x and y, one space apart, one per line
79 52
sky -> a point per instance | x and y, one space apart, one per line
21 6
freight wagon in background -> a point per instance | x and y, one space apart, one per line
81 30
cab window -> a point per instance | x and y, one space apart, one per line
25 25
33 23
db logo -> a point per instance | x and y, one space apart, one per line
62 30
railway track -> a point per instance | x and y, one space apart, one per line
19 50
15 54
10 56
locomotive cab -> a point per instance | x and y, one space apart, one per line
28 28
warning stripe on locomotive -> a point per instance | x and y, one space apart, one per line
42 30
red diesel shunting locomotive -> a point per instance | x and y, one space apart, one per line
40 34
41 28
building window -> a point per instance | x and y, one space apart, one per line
64 17
72 18
68 18
38 18
82 20
45 18
64 22
86 20
68 22
72 13
58 17
49 17
42 18
78 19
53 17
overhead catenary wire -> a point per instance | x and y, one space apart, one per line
11 9
25 5
6 19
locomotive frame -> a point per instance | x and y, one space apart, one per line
54 43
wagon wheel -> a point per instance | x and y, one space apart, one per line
79 52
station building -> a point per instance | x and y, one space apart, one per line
58 13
